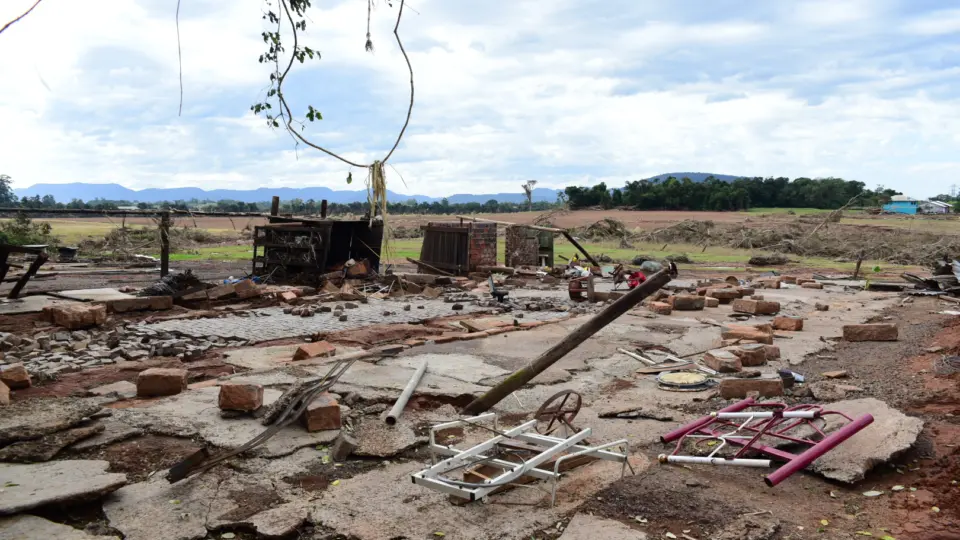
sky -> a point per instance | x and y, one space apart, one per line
568 92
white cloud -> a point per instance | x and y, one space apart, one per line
566 92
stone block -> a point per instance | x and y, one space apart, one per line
4 394
746 291
711 301
246 289
725 295
801 281
315 349
751 355
146 303
161 382
289 296
15 376
343 447
821 307
722 361
755 307
870 332
77 316
812 285
772 351
322 414
770 283
760 334
660 308
790 324
739 388
240 397
687 302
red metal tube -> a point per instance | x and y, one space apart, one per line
697 424
817 450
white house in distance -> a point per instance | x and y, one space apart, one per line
935 207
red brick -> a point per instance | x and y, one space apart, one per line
15 376
739 388
751 355
789 279
315 349
711 301
760 334
773 352
746 291
755 307
701 291
801 281
687 302
660 308
4 394
161 382
770 283
323 413
722 361
77 316
790 324
870 332
240 397
812 285
146 303
289 296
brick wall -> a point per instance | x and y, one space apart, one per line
521 247
483 245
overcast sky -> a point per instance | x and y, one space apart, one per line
564 91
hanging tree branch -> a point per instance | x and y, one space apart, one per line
9 24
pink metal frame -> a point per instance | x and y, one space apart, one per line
776 426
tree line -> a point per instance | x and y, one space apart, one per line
718 195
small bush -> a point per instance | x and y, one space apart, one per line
21 230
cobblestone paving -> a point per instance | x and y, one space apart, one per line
271 323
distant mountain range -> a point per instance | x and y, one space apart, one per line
116 192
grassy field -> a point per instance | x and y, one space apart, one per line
797 211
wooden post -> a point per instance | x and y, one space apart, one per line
591 289
577 245
323 209
856 271
525 374
34 266
164 244
275 206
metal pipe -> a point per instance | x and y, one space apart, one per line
397 409
693 426
636 356
766 414
811 454
714 461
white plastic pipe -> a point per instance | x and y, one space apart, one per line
714 461
397 409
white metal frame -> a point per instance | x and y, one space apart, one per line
433 476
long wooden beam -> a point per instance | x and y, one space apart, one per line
525 374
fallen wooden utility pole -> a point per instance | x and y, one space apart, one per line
525 374
555 230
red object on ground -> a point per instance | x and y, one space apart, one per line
635 279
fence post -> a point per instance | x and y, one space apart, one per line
164 244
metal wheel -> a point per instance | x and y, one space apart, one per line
559 410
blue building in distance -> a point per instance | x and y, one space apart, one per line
901 204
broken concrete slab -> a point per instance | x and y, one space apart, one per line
395 377
377 439
34 418
113 432
195 414
31 304
95 295
25 527
464 367
157 510
123 389
551 375
55 482
890 433
259 357
45 448
591 527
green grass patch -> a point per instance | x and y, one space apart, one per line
215 253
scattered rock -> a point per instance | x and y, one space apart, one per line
375 438
841 374
456 307
790 324
343 447
821 307
749 528
15 376
74 316
755 307
660 308
316 349
55 482
122 389
322 414
242 397
33 418
722 361
4 394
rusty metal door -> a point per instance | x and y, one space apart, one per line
446 248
